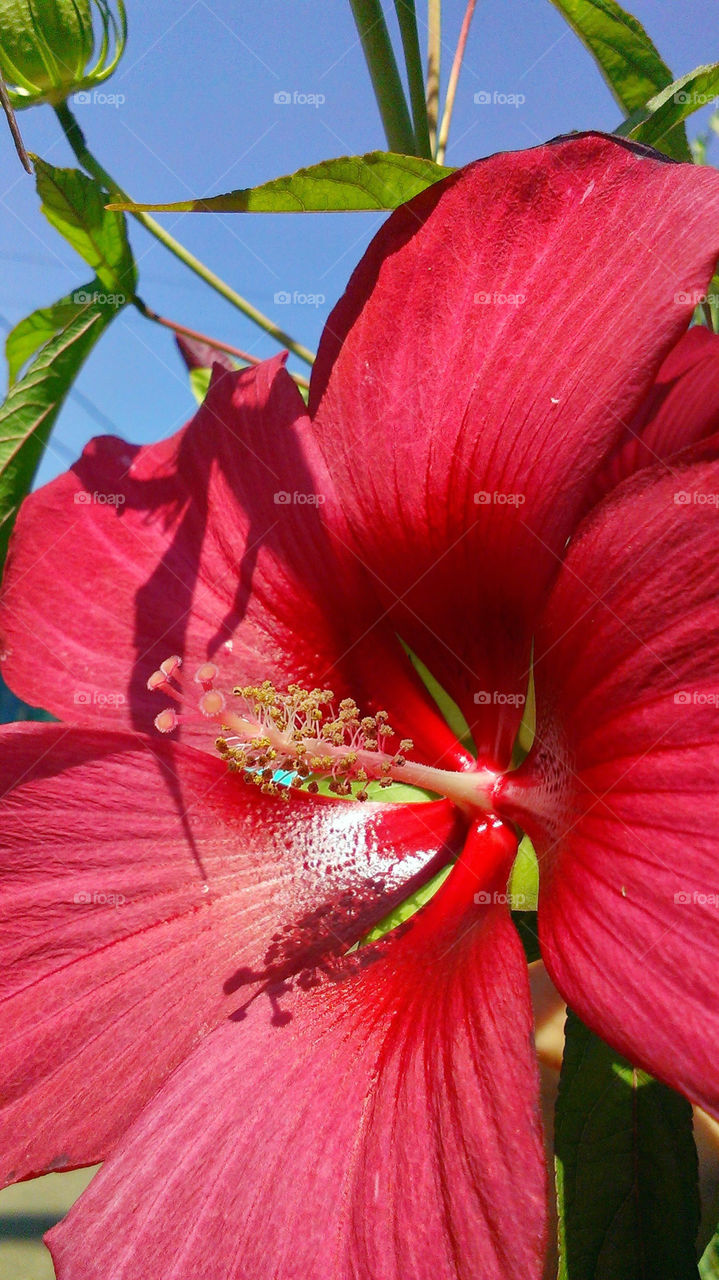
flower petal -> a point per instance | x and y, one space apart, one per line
499 331
681 409
197 546
620 793
382 1124
146 893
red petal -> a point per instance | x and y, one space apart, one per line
625 776
190 552
146 894
681 409
384 1125
200 355
434 384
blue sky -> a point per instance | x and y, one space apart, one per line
198 116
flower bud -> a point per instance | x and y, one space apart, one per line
47 47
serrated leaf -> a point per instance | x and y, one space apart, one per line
377 180
627 1173
655 123
32 332
32 405
629 61
75 205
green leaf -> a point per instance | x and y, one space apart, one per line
655 124
712 304
378 180
408 908
199 382
523 887
75 205
627 1175
32 405
627 58
446 704
35 330
525 922
709 1264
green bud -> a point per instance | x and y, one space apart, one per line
47 47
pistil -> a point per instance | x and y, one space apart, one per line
279 740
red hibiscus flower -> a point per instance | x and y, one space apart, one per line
510 446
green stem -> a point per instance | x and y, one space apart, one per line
6 105
453 82
434 42
407 19
380 59
76 138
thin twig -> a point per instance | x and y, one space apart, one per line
6 105
195 334
453 81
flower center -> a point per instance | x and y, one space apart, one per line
280 740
